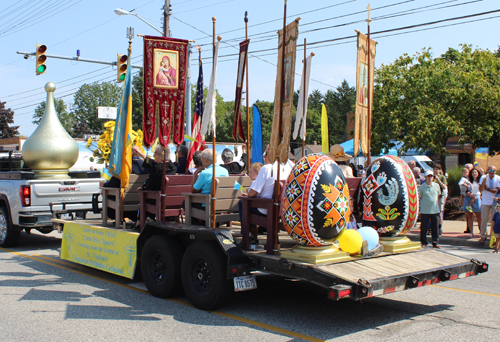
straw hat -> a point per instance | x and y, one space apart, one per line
337 153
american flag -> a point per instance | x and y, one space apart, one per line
198 112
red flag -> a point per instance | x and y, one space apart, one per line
198 112
238 123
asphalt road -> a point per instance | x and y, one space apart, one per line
43 298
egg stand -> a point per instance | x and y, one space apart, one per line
398 244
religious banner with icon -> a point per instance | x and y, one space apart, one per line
363 80
165 71
277 147
238 123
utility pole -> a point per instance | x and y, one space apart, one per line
166 19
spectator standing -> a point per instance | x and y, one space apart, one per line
419 179
441 180
489 185
465 188
475 203
429 193
496 226
337 153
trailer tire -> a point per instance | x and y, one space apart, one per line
161 266
8 237
204 276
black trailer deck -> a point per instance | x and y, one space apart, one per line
355 278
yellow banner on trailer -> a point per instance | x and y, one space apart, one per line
109 250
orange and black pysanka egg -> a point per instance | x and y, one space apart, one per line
389 197
315 201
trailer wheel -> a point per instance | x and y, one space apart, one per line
204 278
8 237
161 266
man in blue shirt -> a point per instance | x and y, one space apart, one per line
202 178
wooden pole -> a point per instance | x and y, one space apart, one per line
304 95
247 99
369 113
213 135
277 191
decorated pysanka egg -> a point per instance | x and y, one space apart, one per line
389 197
315 201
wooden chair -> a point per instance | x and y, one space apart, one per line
268 221
131 199
175 186
226 203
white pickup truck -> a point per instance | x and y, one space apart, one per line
27 203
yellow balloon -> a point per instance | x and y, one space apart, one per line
350 241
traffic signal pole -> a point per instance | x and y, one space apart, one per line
77 59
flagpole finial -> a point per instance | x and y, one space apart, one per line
369 10
214 19
313 54
198 48
219 38
246 16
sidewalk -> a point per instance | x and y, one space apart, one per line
453 234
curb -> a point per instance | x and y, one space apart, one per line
447 240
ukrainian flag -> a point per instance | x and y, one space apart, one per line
120 161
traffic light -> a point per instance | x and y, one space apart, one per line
121 67
40 59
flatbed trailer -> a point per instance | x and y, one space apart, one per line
208 265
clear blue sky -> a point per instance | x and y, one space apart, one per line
93 27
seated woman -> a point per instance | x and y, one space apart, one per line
155 167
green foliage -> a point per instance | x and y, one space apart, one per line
67 120
423 101
88 98
137 93
6 118
454 176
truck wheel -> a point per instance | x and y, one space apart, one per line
8 237
161 266
204 276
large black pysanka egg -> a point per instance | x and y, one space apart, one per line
389 197
315 201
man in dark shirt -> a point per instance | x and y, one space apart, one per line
156 167
182 158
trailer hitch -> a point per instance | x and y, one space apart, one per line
481 266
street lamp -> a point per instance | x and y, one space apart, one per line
121 11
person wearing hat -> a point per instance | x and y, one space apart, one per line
429 193
337 153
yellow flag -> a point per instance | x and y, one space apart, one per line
325 146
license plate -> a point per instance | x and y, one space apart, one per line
245 283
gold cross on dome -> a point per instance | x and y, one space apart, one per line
369 10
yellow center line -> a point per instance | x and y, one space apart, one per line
469 291
61 265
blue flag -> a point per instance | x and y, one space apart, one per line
120 161
257 137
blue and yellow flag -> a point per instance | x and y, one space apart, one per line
120 161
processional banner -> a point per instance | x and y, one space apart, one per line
165 71
363 79
277 147
238 131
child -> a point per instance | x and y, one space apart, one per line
496 225
253 170
351 224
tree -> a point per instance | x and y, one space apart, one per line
339 103
6 118
65 118
423 101
137 98
91 96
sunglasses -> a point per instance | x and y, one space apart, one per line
429 176
492 170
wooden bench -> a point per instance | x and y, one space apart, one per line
131 199
175 186
226 203
268 221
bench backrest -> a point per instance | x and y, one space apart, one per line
225 194
175 186
135 182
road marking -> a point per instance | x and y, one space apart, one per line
61 264
469 291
